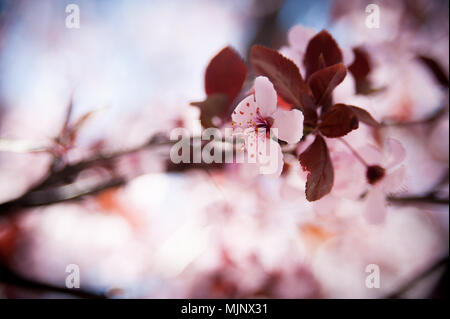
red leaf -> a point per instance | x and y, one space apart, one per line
215 105
283 104
282 72
309 110
324 81
316 160
364 116
339 121
322 48
360 69
225 74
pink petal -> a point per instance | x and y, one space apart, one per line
289 191
349 175
271 164
328 204
393 181
266 153
289 125
375 201
266 96
371 154
299 36
251 146
347 55
244 114
395 152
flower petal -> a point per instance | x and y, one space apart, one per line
299 36
347 55
375 210
349 175
271 163
266 96
371 154
393 181
244 114
395 152
289 125
328 204
266 153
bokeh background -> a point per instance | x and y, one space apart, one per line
165 232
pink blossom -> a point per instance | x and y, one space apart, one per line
384 176
256 116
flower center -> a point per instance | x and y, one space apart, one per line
264 123
375 173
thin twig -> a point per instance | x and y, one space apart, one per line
354 152
430 119
7 276
416 279
57 186
55 195
413 200
431 197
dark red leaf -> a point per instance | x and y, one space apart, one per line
309 110
364 116
361 66
282 72
322 48
360 69
225 74
283 104
316 160
324 81
338 121
215 105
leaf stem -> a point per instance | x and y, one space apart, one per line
354 152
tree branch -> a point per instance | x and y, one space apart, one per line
429 198
58 185
55 195
412 200
430 119
416 279
7 276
